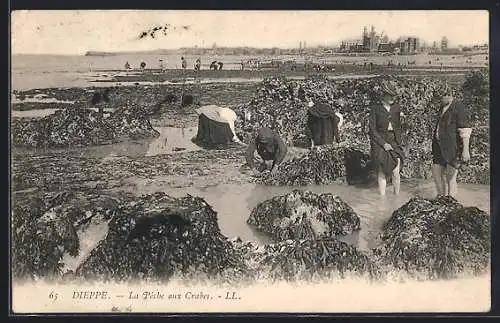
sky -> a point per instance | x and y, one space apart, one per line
70 32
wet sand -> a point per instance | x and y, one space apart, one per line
234 202
173 164
231 192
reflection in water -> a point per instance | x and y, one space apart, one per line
40 113
89 238
234 203
39 98
170 141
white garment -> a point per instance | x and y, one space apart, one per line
388 108
220 114
341 119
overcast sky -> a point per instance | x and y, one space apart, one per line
75 32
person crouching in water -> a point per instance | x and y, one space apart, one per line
451 133
323 124
385 137
269 146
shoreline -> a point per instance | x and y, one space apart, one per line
105 77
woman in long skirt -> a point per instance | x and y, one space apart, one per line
385 138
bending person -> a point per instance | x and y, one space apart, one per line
269 147
216 126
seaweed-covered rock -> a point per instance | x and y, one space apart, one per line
45 227
304 215
131 122
436 239
157 236
315 259
281 104
81 127
323 165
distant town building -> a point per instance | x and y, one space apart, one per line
387 48
349 45
373 42
444 43
384 39
408 45
480 47
370 41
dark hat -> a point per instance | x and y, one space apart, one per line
389 87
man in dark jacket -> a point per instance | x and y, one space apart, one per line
450 142
269 146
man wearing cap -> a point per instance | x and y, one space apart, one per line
450 142
269 146
323 124
385 137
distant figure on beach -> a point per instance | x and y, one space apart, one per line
187 100
143 65
220 65
183 63
214 66
100 99
127 65
160 63
197 65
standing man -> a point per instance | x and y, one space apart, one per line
197 65
450 142
183 63
269 146
385 137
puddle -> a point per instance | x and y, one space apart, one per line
39 98
233 203
89 239
40 113
171 141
